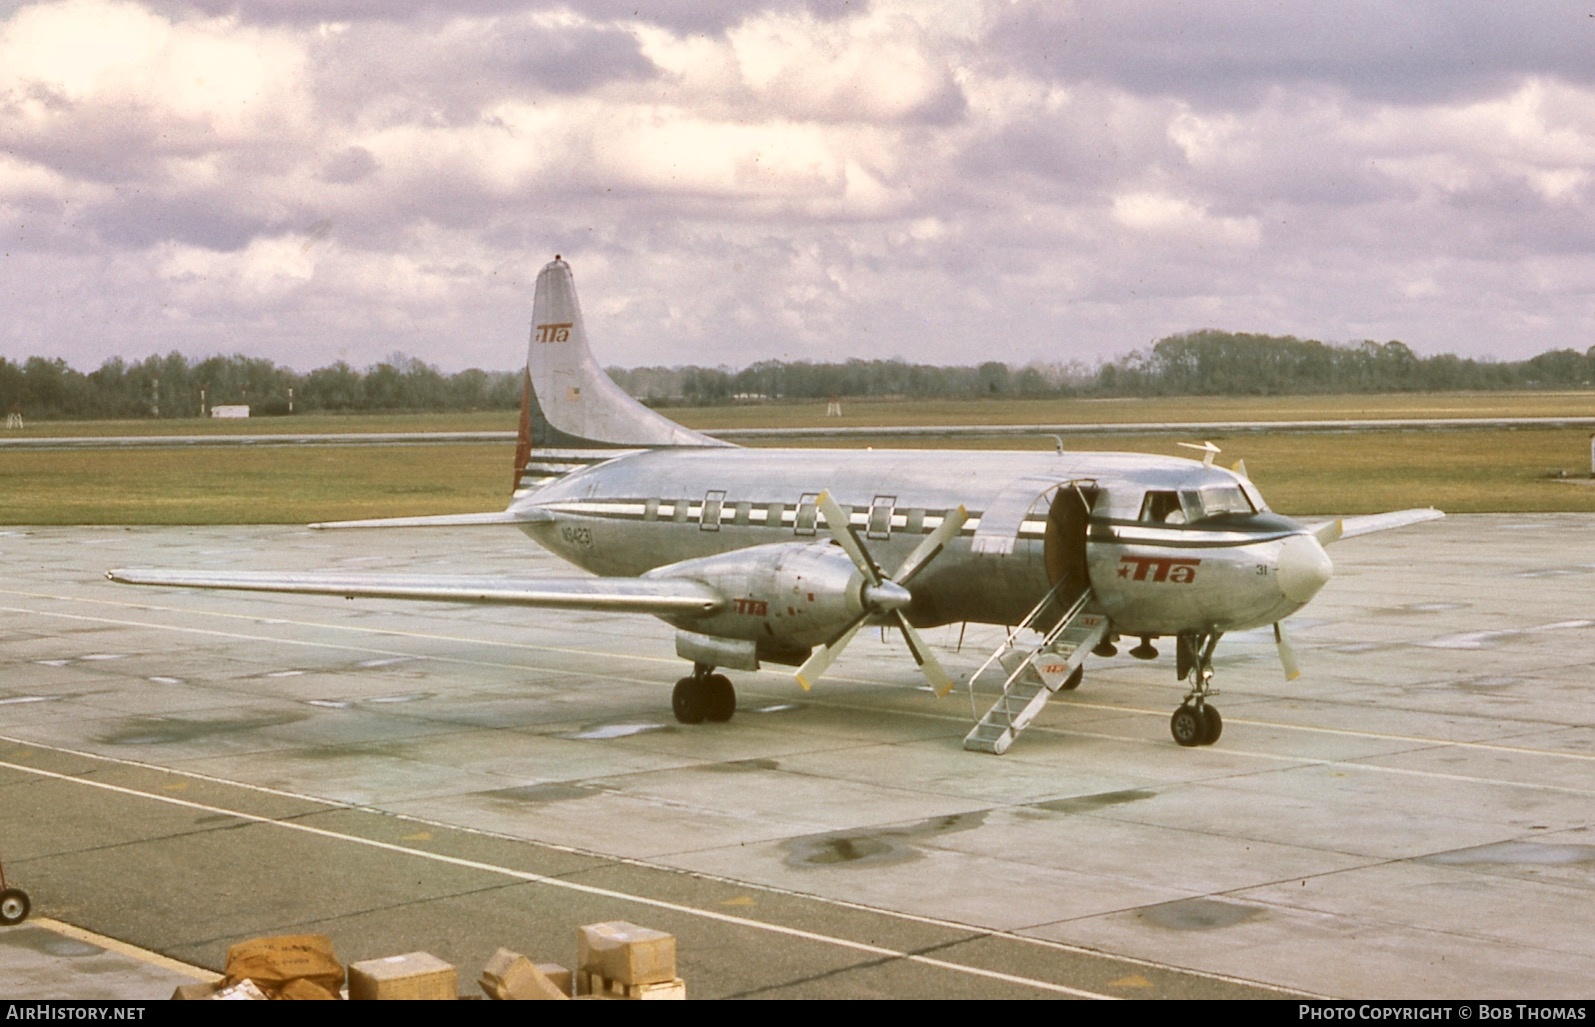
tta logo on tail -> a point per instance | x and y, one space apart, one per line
554 332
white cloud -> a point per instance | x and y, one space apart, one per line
947 181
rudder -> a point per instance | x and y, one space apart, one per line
572 413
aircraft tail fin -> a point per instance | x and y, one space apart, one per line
572 413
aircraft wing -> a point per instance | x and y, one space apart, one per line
658 596
1351 527
527 516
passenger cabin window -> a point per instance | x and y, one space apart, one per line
807 513
709 519
879 525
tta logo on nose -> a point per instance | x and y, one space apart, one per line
1161 568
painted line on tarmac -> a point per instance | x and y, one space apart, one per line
122 948
878 951
1038 728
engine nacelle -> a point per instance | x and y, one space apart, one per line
786 598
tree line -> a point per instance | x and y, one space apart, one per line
1206 362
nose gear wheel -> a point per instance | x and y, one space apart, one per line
1197 722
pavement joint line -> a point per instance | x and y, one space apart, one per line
335 804
1482 746
554 882
123 948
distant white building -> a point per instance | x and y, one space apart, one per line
232 410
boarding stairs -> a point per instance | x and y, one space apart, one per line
1036 672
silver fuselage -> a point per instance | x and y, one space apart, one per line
643 510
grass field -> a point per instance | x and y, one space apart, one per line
1465 471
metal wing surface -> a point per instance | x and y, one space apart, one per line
657 596
1351 527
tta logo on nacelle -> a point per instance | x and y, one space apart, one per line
553 332
1158 568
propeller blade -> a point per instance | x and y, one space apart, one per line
818 663
1330 532
1287 655
840 526
932 545
940 681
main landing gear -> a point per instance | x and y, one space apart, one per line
1196 722
704 696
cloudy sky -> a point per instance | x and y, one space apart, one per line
946 181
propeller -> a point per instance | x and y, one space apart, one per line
882 596
1287 655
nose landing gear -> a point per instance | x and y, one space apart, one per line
704 695
1196 722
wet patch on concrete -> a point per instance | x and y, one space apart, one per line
166 730
740 766
875 848
1092 803
600 732
1487 683
407 697
1197 914
1487 639
1555 572
37 939
1515 854
1419 608
554 791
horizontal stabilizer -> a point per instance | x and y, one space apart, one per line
657 596
528 516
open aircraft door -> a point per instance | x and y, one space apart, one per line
1064 549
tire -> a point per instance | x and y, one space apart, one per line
1215 725
720 699
688 701
1188 726
14 906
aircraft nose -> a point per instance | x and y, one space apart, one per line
1303 568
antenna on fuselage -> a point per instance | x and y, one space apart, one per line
1208 449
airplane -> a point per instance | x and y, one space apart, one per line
780 556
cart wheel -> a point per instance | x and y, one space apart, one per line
14 906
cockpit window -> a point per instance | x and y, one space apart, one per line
1222 499
1190 505
1162 508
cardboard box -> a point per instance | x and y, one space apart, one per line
597 986
560 977
273 962
197 990
244 991
303 988
623 952
414 975
511 976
